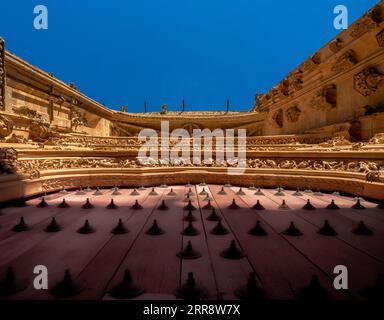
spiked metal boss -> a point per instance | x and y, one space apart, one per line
189 252
163 206
314 291
86 228
112 205
53 226
222 191
120 228
116 193
252 187
87 204
219 229
21 226
284 206
63 191
142 188
258 206
213 216
155 230
362 230
279 192
208 206
358 205
293 230
297 193
251 291
10 284
97 192
137 206
67 287
190 290
190 193
134 193
309 206
42 203
171 193
240 192
333 206
203 192
318 193
88 189
63 204
80 192
233 205
190 216
258 230
127 288
188 185
308 191
327 230
163 186
190 230
202 184
190 206
336 193
153 192
259 192
232 252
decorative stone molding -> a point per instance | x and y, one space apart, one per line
325 99
278 118
380 38
336 45
2 75
293 114
369 21
6 126
312 62
345 61
367 81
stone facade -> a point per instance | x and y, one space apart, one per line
324 122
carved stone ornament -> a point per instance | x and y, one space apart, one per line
325 99
336 45
77 119
278 118
380 38
164 109
368 81
345 61
312 62
293 114
369 21
6 126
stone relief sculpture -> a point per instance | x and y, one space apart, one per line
369 21
336 45
278 118
77 119
293 114
6 126
345 61
367 81
164 109
325 99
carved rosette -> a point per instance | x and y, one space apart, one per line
2 75
325 99
345 61
380 38
293 114
367 82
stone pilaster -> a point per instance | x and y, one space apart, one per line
2 75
